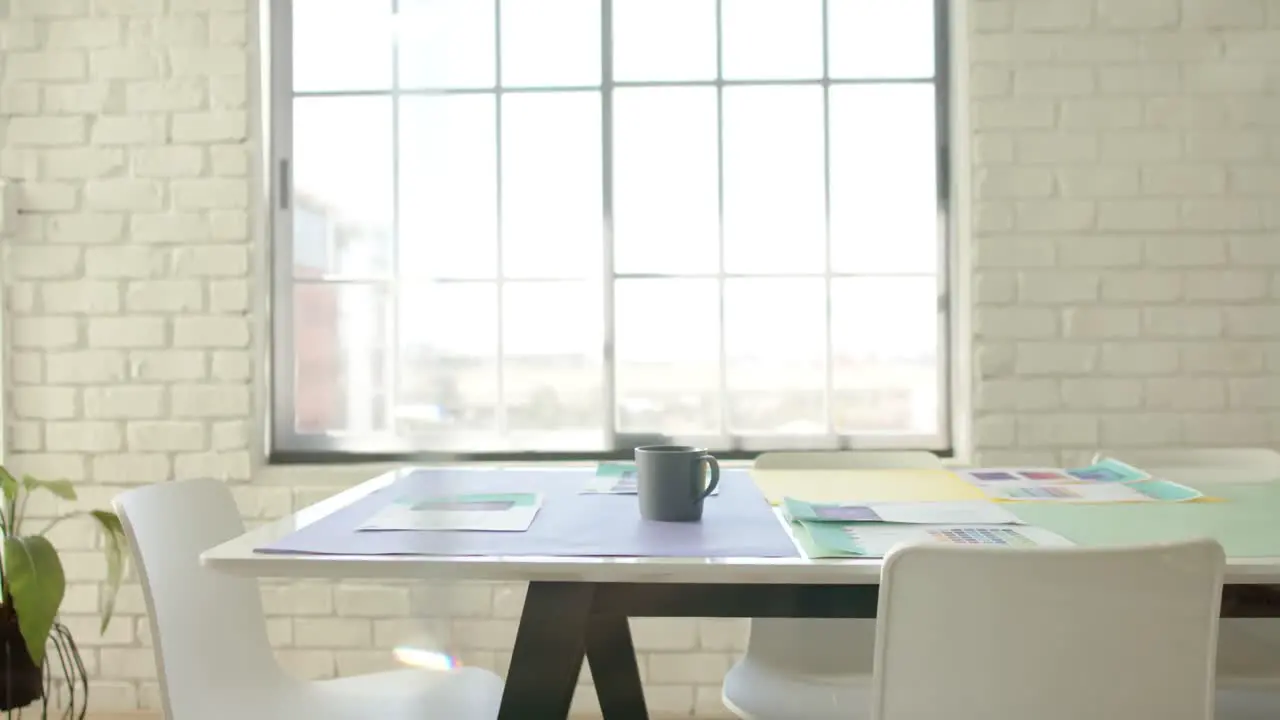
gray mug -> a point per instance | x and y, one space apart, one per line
672 483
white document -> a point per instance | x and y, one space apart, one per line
512 512
945 513
878 540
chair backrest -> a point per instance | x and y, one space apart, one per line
207 627
1049 634
849 460
1207 464
824 648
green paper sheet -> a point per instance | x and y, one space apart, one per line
481 499
1166 490
799 510
615 469
1246 522
809 546
830 540
812 549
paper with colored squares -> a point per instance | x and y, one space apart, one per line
1103 471
875 540
1142 491
976 512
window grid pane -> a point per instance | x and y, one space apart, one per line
607 89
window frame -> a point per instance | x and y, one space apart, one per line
286 445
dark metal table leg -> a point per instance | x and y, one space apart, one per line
614 668
550 645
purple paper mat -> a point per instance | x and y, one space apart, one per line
736 523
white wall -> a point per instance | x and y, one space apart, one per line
1126 173
1126 281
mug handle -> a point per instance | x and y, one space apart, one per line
714 466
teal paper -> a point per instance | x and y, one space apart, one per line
1165 490
615 469
513 499
798 510
1108 470
827 540
802 511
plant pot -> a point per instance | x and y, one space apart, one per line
21 681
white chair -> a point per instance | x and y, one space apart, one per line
811 669
1248 649
209 633
1048 634
848 460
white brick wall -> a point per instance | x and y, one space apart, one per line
1125 162
1126 283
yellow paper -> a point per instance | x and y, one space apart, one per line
845 486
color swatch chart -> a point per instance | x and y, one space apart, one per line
877 539
1105 481
1006 537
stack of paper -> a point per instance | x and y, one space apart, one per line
871 530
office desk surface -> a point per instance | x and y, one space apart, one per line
1245 523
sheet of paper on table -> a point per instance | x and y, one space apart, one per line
864 486
616 479
1109 492
506 512
875 540
1104 471
981 512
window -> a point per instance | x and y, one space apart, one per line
567 227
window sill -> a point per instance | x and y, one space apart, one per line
348 474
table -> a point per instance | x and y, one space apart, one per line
577 608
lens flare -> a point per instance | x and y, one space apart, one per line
423 659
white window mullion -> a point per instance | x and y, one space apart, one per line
609 393
723 376
283 357
947 227
828 393
391 353
500 410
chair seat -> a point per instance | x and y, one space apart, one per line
462 694
768 693
210 636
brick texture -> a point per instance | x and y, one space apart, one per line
1126 285
1124 250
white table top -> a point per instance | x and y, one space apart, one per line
237 557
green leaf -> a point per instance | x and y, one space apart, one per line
8 484
36 585
62 488
115 544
